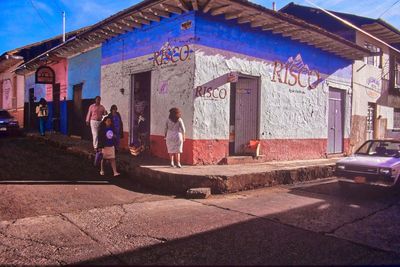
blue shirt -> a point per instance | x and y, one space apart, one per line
110 137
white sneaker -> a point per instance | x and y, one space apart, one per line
179 165
102 173
172 165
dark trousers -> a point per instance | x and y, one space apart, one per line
42 125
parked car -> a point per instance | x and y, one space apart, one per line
376 162
8 124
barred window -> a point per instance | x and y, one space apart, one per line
373 60
397 74
396 119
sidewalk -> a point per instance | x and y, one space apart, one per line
220 179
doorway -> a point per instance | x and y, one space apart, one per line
335 121
56 107
77 120
244 108
140 110
31 110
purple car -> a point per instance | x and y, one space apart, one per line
376 162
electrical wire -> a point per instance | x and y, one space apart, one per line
388 9
40 16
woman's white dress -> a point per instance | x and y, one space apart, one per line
174 136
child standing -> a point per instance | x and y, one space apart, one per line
107 142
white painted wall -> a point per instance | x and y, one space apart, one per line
179 77
286 112
364 90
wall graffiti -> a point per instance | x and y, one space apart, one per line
7 98
295 73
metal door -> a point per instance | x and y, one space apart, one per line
31 109
56 107
246 112
77 122
335 121
371 120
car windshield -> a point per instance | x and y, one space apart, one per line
4 114
380 148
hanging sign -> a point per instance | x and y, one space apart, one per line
45 75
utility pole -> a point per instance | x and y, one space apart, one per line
63 26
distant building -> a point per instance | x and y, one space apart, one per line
376 79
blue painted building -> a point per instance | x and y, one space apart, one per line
84 74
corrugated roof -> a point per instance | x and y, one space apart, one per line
242 11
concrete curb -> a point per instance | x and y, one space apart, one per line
176 183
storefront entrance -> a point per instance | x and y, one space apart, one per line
335 121
243 114
140 110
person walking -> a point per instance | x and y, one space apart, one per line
93 119
175 136
42 112
107 139
118 125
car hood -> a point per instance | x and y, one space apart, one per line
6 120
370 161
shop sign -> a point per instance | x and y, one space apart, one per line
374 83
45 75
295 73
211 93
171 55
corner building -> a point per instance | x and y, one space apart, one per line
268 77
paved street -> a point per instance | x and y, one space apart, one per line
55 209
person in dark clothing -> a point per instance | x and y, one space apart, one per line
42 113
118 125
107 142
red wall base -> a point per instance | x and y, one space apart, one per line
204 152
158 148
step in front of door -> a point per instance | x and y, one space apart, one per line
234 160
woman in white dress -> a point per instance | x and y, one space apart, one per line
175 136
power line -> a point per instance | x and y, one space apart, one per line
388 9
40 16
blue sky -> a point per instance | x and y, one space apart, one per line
20 23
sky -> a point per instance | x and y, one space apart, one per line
27 21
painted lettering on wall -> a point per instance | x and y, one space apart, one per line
295 73
169 54
211 93
374 83
7 99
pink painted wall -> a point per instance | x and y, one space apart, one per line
61 77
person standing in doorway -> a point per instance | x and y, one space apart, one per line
93 118
118 125
107 137
175 136
42 112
